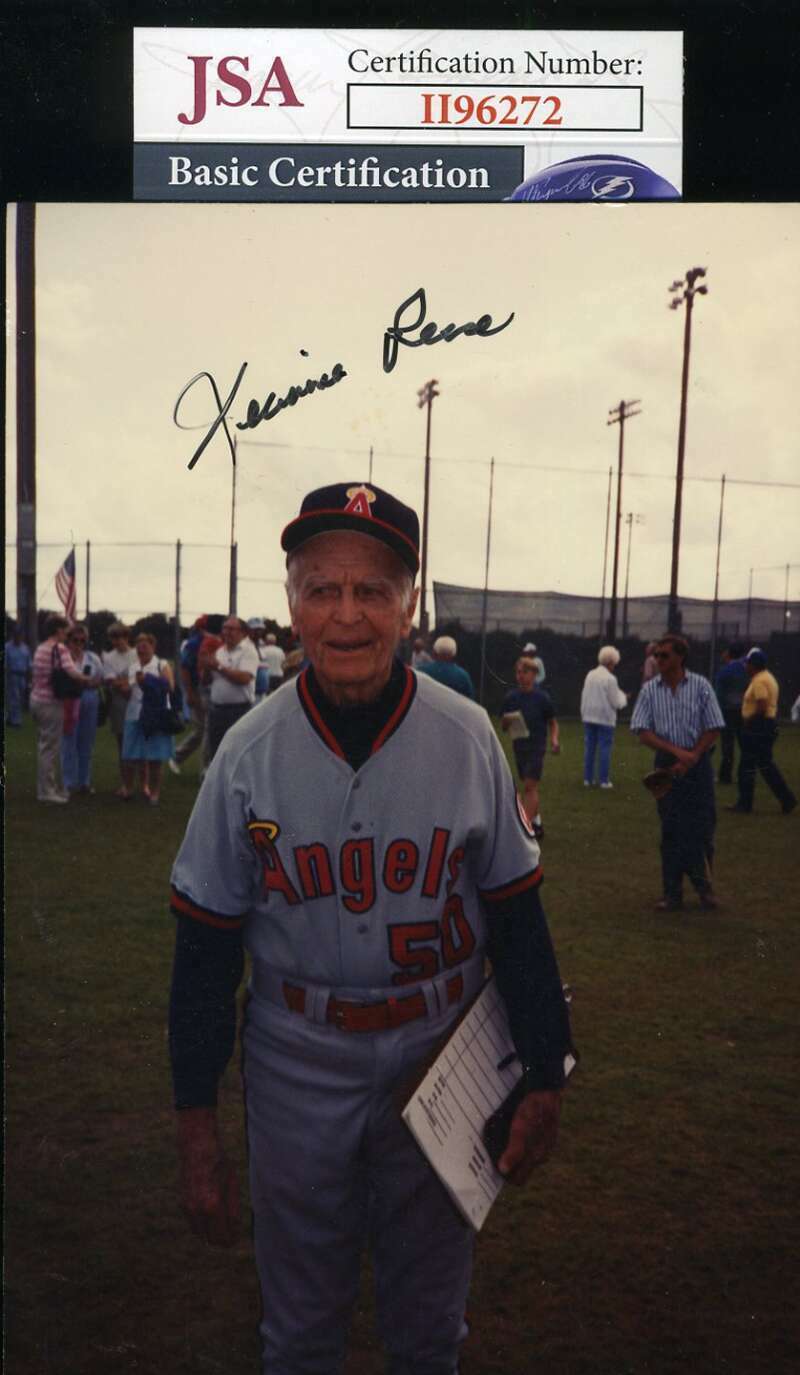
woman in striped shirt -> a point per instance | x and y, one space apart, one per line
47 710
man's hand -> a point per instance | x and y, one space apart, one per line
687 759
534 1128
209 1187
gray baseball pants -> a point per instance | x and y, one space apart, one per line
333 1168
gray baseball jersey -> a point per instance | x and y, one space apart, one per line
357 879
362 883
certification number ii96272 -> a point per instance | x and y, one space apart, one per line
443 107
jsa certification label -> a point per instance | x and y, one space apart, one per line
379 114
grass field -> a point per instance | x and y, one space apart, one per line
662 1238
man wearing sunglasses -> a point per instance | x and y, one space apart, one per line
678 716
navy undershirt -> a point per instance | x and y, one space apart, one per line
209 962
356 728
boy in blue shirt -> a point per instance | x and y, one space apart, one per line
536 709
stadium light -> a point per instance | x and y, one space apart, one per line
686 292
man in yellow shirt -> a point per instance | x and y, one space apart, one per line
759 732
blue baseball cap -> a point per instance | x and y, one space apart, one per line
361 507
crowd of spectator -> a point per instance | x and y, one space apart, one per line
70 690
162 714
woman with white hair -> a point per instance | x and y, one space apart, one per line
601 699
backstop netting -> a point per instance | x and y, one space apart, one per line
744 618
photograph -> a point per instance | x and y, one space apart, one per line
379 579
402 688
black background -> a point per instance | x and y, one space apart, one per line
67 87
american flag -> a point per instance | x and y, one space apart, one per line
65 585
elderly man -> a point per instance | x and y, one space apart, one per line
233 681
758 735
444 668
678 716
367 895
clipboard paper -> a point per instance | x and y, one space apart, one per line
446 1113
517 726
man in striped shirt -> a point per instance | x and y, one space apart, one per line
678 716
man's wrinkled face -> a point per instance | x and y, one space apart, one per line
350 612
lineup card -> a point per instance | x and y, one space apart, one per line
447 1112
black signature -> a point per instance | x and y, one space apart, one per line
256 410
430 333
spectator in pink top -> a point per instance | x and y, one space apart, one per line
47 710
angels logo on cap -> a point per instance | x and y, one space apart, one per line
356 506
360 500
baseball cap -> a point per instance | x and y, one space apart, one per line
756 656
361 507
255 623
530 648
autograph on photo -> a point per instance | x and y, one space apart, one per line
256 411
400 329
409 321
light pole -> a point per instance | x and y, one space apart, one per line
631 519
486 582
682 291
715 609
618 415
426 396
605 559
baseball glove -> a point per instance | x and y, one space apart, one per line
658 782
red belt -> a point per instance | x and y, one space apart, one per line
393 1012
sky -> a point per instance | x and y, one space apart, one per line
135 300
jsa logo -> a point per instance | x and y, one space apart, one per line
276 83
